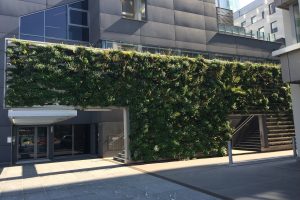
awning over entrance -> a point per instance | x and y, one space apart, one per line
39 116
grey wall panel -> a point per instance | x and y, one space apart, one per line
158 30
210 1
190 35
112 116
5 131
43 2
51 3
18 8
134 39
159 3
253 53
1 78
157 42
94 18
189 45
4 121
210 10
116 24
5 154
159 14
211 24
9 24
82 118
189 20
285 68
113 7
192 6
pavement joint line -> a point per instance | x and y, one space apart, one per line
262 161
174 181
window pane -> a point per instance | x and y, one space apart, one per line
128 8
30 37
78 33
143 10
297 21
78 17
33 24
80 5
82 139
56 22
63 140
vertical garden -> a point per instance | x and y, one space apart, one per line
179 106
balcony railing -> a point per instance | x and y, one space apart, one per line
241 31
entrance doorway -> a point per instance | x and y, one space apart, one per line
32 143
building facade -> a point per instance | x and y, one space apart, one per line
289 56
261 17
170 26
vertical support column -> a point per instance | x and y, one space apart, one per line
294 147
126 135
263 131
295 88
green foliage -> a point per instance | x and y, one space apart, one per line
179 106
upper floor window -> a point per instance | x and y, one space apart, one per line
253 19
263 14
243 24
261 33
134 9
68 22
274 27
272 8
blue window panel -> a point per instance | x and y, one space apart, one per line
56 23
78 33
33 24
80 5
78 17
31 37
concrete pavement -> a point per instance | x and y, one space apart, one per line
88 180
265 176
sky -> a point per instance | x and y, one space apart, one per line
243 3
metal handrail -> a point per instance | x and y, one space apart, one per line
242 125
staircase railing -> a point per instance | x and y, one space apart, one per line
236 134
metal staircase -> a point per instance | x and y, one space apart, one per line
261 133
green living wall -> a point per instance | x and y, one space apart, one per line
179 106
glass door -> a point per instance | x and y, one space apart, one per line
42 141
26 142
32 143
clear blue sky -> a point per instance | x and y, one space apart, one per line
243 3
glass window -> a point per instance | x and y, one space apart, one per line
63 140
82 139
253 19
263 14
297 21
134 9
274 27
32 24
80 5
56 22
261 33
78 17
272 8
78 33
243 24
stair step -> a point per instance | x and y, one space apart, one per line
247 148
273 123
282 131
281 126
279 119
275 139
280 143
248 145
276 135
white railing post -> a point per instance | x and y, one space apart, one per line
229 151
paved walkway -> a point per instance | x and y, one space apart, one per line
264 176
88 179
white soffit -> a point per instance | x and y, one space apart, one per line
39 116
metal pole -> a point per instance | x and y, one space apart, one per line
229 144
294 146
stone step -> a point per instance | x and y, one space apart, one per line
281 126
277 135
280 143
281 131
277 139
